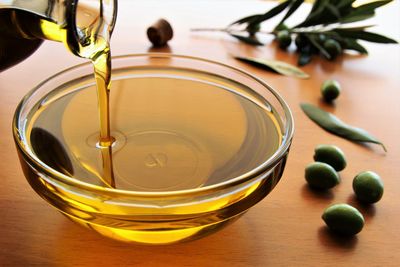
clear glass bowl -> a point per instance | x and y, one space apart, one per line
180 208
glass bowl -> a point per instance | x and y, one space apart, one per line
197 144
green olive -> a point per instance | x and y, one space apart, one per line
253 29
343 219
301 41
368 187
321 38
331 155
333 48
330 90
281 27
284 39
320 175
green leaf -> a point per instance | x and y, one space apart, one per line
333 11
276 66
334 35
354 18
352 44
293 7
251 40
315 14
363 12
245 20
366 36
345 7
273 12
358 28
370 7
344 4
317 4
334 125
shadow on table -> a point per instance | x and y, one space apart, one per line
308 192
367 210
76 245
163 49
331 240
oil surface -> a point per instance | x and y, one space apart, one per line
170 133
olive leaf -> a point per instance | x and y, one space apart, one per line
363 12
354 18
345 5
251 40
333 11
371 6
352 44
245 20
317 12
258 18
366 36
334 125
293 7
275 65
358 28
272 13
318 4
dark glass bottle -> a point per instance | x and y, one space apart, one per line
16 41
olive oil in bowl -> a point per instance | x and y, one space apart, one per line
191 149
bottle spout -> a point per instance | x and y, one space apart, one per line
93 23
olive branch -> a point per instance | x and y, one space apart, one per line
325 31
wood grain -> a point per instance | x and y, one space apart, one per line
284 229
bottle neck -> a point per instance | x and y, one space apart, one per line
23 24
83 26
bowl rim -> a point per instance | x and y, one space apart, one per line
53 174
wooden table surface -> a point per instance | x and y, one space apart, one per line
285 229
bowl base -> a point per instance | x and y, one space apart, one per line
162 237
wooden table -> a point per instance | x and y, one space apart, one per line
285 229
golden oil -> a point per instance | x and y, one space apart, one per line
170 133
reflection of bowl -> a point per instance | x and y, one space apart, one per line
197 144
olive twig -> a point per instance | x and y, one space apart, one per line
324 30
